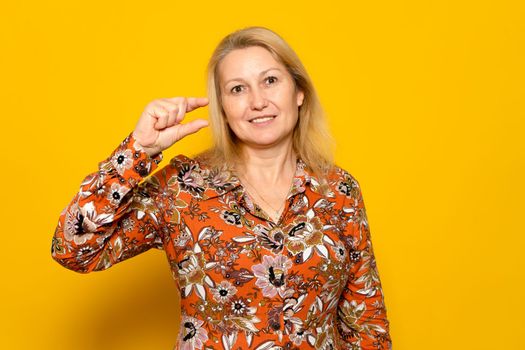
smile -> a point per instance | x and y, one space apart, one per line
262 119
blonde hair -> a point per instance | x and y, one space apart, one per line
312 141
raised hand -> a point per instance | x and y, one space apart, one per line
160 126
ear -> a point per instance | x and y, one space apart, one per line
300 98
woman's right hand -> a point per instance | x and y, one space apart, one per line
160 126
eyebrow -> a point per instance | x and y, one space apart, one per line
262 73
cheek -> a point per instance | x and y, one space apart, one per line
233 108
286 98
290 103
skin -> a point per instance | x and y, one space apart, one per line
253 84
160 124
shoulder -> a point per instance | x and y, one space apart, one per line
182 164
197 178
182 161
342 183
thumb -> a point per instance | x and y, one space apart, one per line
192 127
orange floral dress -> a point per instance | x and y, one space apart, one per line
308 281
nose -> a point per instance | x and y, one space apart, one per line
258 99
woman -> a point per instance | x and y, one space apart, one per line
267 239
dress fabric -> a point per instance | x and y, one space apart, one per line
308 281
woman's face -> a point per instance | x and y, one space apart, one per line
259 97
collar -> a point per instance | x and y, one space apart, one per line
221 181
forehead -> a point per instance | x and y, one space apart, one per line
247 63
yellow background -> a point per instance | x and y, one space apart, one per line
425 99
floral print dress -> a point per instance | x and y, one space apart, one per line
308 281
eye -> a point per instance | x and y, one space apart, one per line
236 89
271 79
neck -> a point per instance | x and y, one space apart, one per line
268 166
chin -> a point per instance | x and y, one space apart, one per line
265 141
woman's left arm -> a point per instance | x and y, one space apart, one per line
362 314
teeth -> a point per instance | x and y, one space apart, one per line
261 120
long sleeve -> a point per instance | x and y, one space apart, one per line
113 216
362 314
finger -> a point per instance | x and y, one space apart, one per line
172 117
192 127
162 117
182 111
196 102
172 107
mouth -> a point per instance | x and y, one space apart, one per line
262 119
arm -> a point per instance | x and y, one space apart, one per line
362 314
112 217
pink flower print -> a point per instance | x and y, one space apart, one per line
223 291
191 334
271 275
